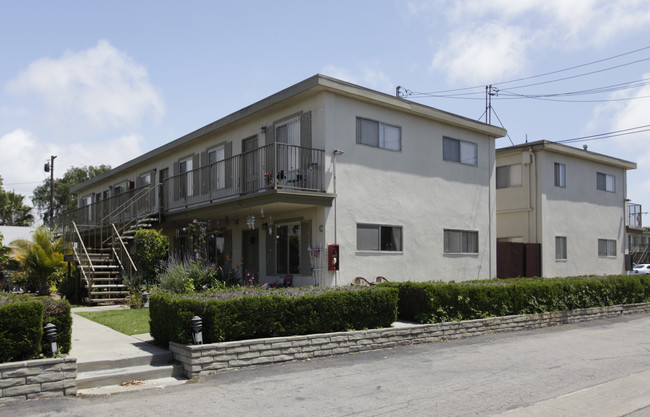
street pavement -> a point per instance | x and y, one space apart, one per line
599 368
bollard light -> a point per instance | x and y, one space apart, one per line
50 334
145 299
197 325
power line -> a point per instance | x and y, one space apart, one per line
435 93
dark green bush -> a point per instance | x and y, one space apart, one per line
50 311
58 313
261 314
432 302
21 329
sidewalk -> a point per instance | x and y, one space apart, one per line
96 346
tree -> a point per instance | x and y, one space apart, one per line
63 200
13 212
41 259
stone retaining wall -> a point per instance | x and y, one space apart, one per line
207 359
37 379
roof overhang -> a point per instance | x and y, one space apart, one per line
309 87
569 151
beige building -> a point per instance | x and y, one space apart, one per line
571 201
406 191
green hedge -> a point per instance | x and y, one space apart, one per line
433 302
21 330
268 314
58 313
21 333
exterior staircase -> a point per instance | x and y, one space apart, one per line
101 244
104 278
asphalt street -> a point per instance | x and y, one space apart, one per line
599 368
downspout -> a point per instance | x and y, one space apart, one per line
492 145
334 155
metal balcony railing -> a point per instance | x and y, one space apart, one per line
634 216
274 166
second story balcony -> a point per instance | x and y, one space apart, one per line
277 166
634 216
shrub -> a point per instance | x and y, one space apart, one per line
432 302
58 313
151 249
21 329
250 314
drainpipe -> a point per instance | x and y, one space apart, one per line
335 153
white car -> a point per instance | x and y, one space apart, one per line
640 269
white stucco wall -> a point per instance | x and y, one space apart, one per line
539 211
583 214
413 188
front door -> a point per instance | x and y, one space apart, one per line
250 254
250 165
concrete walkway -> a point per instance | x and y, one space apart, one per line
98 347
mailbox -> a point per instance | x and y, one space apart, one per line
333 260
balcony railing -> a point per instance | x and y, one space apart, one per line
634 216
124 207
271 167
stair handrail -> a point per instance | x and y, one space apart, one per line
81 242
83 271
124 250
131 201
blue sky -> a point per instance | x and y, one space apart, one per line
102 82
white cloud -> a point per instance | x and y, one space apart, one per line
22 159
97 88
368 76
24 155
499 37
483 55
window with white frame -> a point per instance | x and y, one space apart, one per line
606 247
217 166
144 179
287 249
560 248
374 237
187 183
509 176
605 182
461 241
378 134
560 175
459 151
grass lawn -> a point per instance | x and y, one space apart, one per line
129 322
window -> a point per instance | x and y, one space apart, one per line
144 179
606 247
187 183
379 135
461 241
289 156
509 176
379 238
288 249
560 175
459 151
605 182
217 165
560 248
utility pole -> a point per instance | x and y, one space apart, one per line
489 92
51 169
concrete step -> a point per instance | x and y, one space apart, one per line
152 364
116 376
